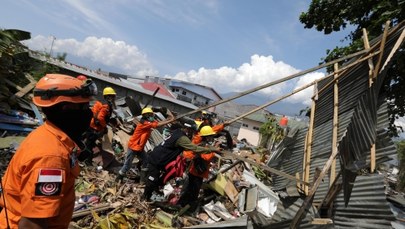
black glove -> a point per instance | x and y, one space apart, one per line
199 164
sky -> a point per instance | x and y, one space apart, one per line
229 45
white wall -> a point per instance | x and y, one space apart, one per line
251 132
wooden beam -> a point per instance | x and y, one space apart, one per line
335 124
382 46
25 89
370 82
394 49
321 221
297 218
308 149
346 68
272 83
332 191
370 60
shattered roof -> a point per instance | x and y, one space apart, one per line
362 121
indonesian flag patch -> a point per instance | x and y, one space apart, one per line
49 182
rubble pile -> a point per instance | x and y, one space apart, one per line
101 202
238 190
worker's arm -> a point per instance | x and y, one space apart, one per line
170 118
186 143
33 223
102 115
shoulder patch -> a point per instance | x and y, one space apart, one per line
48 189
50 175
49 182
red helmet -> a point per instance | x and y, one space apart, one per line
56 88
81 77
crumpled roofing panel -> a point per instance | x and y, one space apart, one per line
368 207
360 124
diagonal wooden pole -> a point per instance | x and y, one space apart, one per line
272 83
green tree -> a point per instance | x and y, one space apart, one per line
335 15
401 158
271 133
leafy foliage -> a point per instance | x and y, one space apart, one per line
401 158
335 15
271 133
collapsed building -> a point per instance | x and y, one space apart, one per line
323 175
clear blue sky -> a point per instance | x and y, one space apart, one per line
230 45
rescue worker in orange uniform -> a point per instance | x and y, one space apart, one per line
38 185
98 126
137 141
168 152
199 169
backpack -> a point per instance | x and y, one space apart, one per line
175 168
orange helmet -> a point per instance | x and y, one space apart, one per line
56 88
81 77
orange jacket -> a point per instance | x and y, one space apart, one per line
39 181
141 135
197 139
283 121
101 112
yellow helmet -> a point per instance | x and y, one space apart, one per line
207 131
147 110
109 91
198 123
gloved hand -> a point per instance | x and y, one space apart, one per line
199 164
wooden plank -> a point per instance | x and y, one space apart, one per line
370 60
331 192
382 46
25 90
231 192
271 84
310 196
308 149
370 82
376 71
321 221
335 124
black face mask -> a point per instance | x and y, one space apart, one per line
72 122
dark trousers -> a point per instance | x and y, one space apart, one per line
89 138
190 191
153 181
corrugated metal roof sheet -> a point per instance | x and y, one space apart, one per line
368 207
286 210
121 82
360 125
